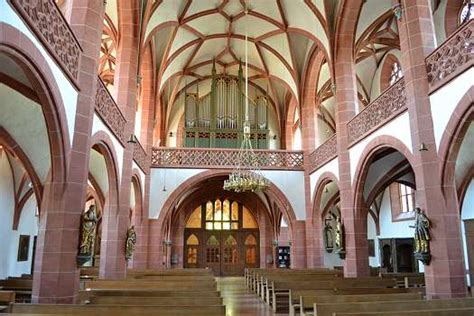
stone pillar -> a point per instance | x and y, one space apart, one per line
56 276
112 259
357 260
140 257
310 138
445 275
298 245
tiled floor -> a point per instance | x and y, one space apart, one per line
239 300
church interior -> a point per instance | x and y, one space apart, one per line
237 157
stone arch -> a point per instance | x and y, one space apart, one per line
24 52
365 161
102 142
163 224
451 16
451 140
137 187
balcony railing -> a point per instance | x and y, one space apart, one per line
109 112
324 153
391 103
140 157
45 19
223 158
452 58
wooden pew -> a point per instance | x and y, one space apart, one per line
21 287
395 306
439 312
116 310
294 295
149 285
307 302
85 295
280 290
133 273
6 298
174 278
157 301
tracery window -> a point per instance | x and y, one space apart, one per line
192 244
396 73
212 250
467 12
230 250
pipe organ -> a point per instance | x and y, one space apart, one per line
216 119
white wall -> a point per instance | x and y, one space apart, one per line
291 183
445 100
65 88
28 225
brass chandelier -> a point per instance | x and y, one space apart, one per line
247 175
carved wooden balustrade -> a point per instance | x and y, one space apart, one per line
452 58
391 103
109 112
324 153
224 158
140 157
45 19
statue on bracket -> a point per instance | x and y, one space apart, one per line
339 242
88 231
130 242
422 237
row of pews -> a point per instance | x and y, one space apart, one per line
145 292
325 292
21 287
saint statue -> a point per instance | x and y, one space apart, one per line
88 231
422 236
339 236
130 242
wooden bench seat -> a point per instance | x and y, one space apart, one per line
137 300
116 310
391 306
438 312
307 302
294 295
278 297
6 298
84 295
16 284
146 285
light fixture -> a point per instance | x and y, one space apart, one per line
326 190
247 175
397 11
164 188
423 147
171 134
132 139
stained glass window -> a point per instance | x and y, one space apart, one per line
230 250
194 220
250 250
248 219
192 253
222 215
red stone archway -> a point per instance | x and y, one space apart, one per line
162 226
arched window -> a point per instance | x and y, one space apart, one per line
194 220
407 198
248 221
467 12
192 244
230 250
212 250
250 250
222 215
396 73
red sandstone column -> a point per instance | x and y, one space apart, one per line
114 228
309 118
357 260
445 275
56 277
298 245
140 257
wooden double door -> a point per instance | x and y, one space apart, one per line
226 252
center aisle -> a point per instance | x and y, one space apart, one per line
239 301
